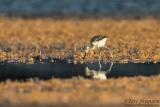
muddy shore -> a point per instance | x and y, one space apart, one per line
79 92
24 39
129 40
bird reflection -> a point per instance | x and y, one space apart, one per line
97 74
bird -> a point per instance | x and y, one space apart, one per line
94 74
97 41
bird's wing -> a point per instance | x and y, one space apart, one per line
97 38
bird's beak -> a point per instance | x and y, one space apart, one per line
85 55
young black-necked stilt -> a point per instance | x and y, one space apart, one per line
97 42
94 74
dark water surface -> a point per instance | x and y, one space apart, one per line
79 7
62 69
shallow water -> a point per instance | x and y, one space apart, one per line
63 69
54 7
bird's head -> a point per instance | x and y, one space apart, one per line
86 48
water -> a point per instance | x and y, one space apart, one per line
56 7
62 69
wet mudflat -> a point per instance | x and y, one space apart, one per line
79 92
133 28
62 38
60 83
62 69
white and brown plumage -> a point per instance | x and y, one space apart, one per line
97 42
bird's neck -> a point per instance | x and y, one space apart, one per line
91 47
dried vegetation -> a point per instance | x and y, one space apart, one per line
79 92
135 40
24 40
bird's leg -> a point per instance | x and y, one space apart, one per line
100 67
85 55
110 67
99 52
110 53
112 61
84 58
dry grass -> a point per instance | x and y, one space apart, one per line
79 92
129 40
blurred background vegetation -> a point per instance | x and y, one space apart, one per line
28 8
132 25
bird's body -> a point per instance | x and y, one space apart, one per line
97 42
94 74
